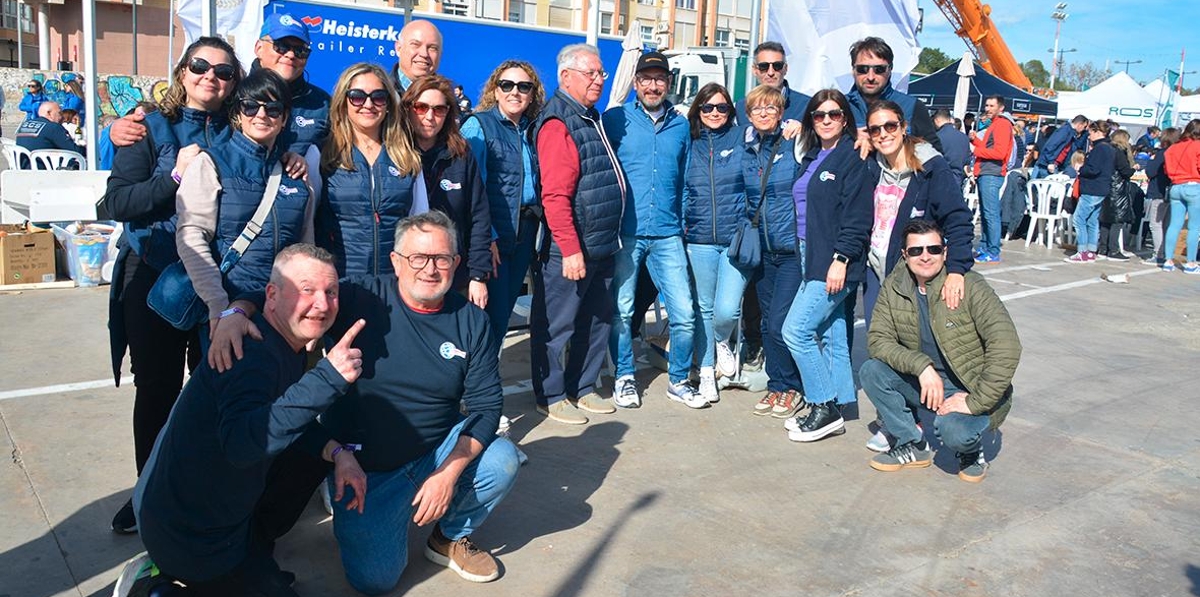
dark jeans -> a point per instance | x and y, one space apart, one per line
897 397
570 321
505 287
782 275
157 353
1110 237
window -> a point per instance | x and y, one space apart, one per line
742 43
723 37
454 7
648 34
688 4
606 23
10 16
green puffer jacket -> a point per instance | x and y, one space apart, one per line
978 340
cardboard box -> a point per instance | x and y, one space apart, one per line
26 256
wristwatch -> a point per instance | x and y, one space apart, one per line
839 257
483 278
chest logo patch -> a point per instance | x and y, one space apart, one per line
447 185
304 122
778 156
393 171
288 190
828 176
448 351
726 153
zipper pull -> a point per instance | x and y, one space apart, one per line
376 217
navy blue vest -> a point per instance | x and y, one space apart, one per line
714 191
357 216
243 167
599 199
505 166
777 219
154 241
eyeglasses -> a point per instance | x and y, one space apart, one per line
863 69
418 261
358 97
420 108
890 127
300 50
778 65
764 109
835 115
249 108
199 66
916 251
720 108
646 80
523 87
591 74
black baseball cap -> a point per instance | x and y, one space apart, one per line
652 60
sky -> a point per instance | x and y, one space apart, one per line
1153 31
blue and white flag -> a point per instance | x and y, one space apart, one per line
817 35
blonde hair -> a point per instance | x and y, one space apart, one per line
1078 158
338 151
537 97
1120 140
764 95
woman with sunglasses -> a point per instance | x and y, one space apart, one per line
453 179
768 172
372 173
832 196
222 190
499 136
192 116
714 201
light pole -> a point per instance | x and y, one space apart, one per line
1057 60
1059 15
1127 63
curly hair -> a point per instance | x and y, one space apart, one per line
537 97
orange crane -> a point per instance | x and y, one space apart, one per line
972 21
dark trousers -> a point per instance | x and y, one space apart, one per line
782 275
569 328
1110 237
157 353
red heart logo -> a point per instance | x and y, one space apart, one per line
311 21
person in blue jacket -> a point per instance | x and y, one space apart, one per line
1058 147
873 60
499 134
192 116
34 96
453 180
714 202
833 191
1095 182
371 173
45 132
768 173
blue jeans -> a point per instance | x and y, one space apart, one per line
782 276
825 367
1087 222
897 396
374 544
719 289
666 261
1185 198
505 287
989 212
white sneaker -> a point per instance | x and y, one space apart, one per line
726 361
708 388
682 392
626 394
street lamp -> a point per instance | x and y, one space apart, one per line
1127 63
1059 15
1057 63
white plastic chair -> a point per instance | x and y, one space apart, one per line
1045 199
13 153
57 159
971 196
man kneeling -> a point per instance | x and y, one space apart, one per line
958 363
196 500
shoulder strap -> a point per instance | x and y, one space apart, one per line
762 185
254 226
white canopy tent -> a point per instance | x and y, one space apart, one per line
1119 98
1187 108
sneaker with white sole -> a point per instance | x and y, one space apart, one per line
726 361
138 576
822 421
626 393
461 556
787 404
708 388
682 392
766 403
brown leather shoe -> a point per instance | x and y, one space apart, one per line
461 556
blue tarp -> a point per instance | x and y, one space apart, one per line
937 91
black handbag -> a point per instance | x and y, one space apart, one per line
745 248
174 298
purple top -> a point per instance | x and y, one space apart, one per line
800 191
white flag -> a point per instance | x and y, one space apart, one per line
239 22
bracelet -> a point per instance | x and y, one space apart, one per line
175 176
344 447
231 311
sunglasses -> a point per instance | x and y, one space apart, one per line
890 127
916 251
523 87
249 108
765 66
720 108
420 108
301 51
878 69
358 97
199 66
835 115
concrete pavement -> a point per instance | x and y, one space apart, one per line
1094 487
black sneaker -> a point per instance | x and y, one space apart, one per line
125 523
972 467
1117 256
754 357
910 455
141 578
822 420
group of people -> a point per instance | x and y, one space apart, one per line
372 222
